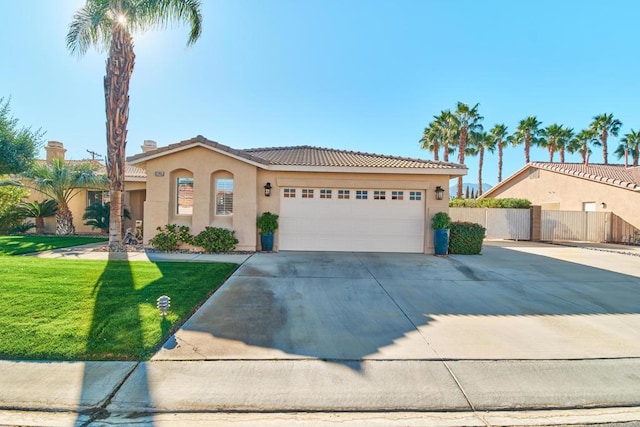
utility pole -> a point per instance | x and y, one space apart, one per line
94 155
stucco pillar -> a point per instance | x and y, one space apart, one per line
536 223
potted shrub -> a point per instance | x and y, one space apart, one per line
267 223
441 223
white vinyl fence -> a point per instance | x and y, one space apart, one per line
576 225
512 224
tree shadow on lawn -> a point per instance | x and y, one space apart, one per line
346 307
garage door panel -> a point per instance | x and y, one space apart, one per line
351 224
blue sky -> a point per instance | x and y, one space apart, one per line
355 75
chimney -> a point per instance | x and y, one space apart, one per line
149 145
55 150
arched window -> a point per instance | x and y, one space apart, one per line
224 196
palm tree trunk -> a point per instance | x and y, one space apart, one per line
635 159
64 221
603 140
462 147
116 92
527 146
500 160
626 158
39 225
480 164
562 155
445 151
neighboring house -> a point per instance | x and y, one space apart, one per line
134 192
327 199
576 187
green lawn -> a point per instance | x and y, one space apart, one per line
18 245
56 309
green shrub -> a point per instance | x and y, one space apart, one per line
267 222
465 238
490 203
170 237
216 240
441 220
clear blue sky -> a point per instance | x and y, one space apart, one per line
355 75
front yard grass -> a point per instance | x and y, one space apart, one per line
18 245
56 309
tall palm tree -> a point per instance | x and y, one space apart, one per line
581 144
478 143
563 141
62 181
110 24
499 134
527 132
550 137
604 125
431 140
469 121
630 144
448 127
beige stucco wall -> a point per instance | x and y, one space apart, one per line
562 192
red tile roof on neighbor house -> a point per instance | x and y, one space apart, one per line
616 175
305 156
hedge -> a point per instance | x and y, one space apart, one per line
465 238
490 203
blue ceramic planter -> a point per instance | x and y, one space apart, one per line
441 241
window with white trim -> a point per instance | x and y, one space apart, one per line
184 196
362 194
344 194
290 193
379 195
307 193
415 195
224 196
397 195
325 194
97 197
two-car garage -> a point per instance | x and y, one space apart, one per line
352 219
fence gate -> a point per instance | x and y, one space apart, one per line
576 225
510 224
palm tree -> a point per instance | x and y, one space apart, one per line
580 144
604 125
109 24
447 125
479 142
550 137
39 211
563 141
469 121
62 181
527 133
499 134
431 140
630 144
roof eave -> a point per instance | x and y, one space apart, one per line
357 169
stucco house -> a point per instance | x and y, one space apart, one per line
135 192
576 187
327 199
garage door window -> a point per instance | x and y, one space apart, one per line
415 195
307 193
362 194
289 193
343 194
397 195
379 195
325 194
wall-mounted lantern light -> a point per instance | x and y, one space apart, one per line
267 189
439 193
603 205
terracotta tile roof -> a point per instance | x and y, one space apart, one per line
134 171
617 175
307 156
129 170
315 156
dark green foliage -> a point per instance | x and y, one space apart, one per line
170 237
216 240
18 146
11 220
490 203
441 220
98 215
465 238
22 228
39 211
267 222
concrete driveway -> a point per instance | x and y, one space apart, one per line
523 326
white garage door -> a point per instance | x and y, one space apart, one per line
325 219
